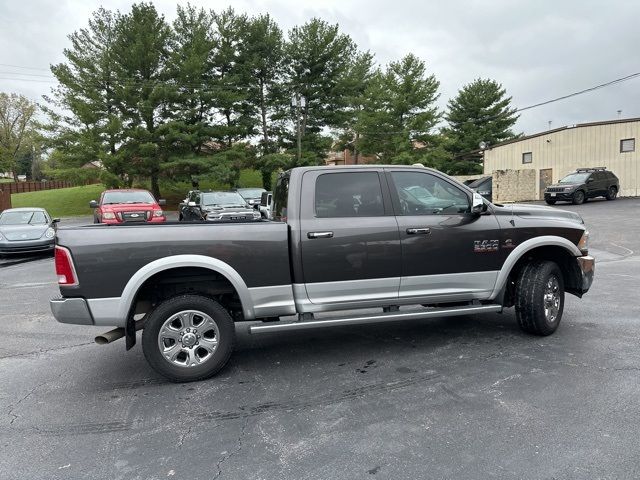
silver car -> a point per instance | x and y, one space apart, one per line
26 230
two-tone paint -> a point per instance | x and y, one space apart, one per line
292 264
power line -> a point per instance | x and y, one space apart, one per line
25 68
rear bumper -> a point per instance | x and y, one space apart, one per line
71 310
587 265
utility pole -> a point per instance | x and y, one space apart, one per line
299 102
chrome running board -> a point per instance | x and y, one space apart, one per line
375 318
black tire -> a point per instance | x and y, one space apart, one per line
180 218
578 197
612 193
225 337
532 285
550 201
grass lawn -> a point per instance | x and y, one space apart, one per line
63 202
6 180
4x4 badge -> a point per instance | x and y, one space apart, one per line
483 246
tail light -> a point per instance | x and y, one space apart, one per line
65 270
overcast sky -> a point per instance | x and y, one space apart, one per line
538 50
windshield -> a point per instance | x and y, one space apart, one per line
127 197
251 192
575 178
23 218
223 199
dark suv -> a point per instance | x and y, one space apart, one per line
584 183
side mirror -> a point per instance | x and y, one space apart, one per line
589 180
162 202
93 204
191 204
55 220
477 204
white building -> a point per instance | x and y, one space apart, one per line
554 153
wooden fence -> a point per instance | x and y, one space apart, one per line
6 189
21 187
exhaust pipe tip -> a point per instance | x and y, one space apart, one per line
110 336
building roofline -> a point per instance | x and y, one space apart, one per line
566 127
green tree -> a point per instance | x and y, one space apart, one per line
141 51
231 81
481 112
317 58
399 113
84 118
17 131
191 68
353 86
263 60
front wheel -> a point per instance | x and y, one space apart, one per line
578 197
188 338
612 193
539 297
550 201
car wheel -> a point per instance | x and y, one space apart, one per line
188 338
180 218
578 197
612 193
550 201
539 297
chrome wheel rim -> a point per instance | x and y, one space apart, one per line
552 299
188 338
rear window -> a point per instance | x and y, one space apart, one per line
349 194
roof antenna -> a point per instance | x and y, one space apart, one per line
619 114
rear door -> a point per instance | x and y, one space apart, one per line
448 253
350 245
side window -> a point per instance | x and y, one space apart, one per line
280 199
349 194
426 194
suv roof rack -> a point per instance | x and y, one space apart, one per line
591 169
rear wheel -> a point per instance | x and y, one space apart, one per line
188 338
578 197
612 193
539 297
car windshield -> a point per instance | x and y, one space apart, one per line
575 178
23 218
127 197
251 192
223 199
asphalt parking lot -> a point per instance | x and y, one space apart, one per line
468 397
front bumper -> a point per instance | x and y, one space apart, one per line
27 246
587 265
560 196
71 310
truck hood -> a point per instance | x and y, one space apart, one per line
540 211
23 232
563 185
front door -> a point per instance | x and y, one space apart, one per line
546 179
350 244
448 253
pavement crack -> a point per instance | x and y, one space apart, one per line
15 405
46 350
227 456
183 435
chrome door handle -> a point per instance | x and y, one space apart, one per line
418 231
320 235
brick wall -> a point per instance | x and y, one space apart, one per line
514 185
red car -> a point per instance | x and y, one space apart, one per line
127 205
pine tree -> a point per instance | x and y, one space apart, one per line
481 112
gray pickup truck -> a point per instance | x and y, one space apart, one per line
347 245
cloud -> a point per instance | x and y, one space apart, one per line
537 50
